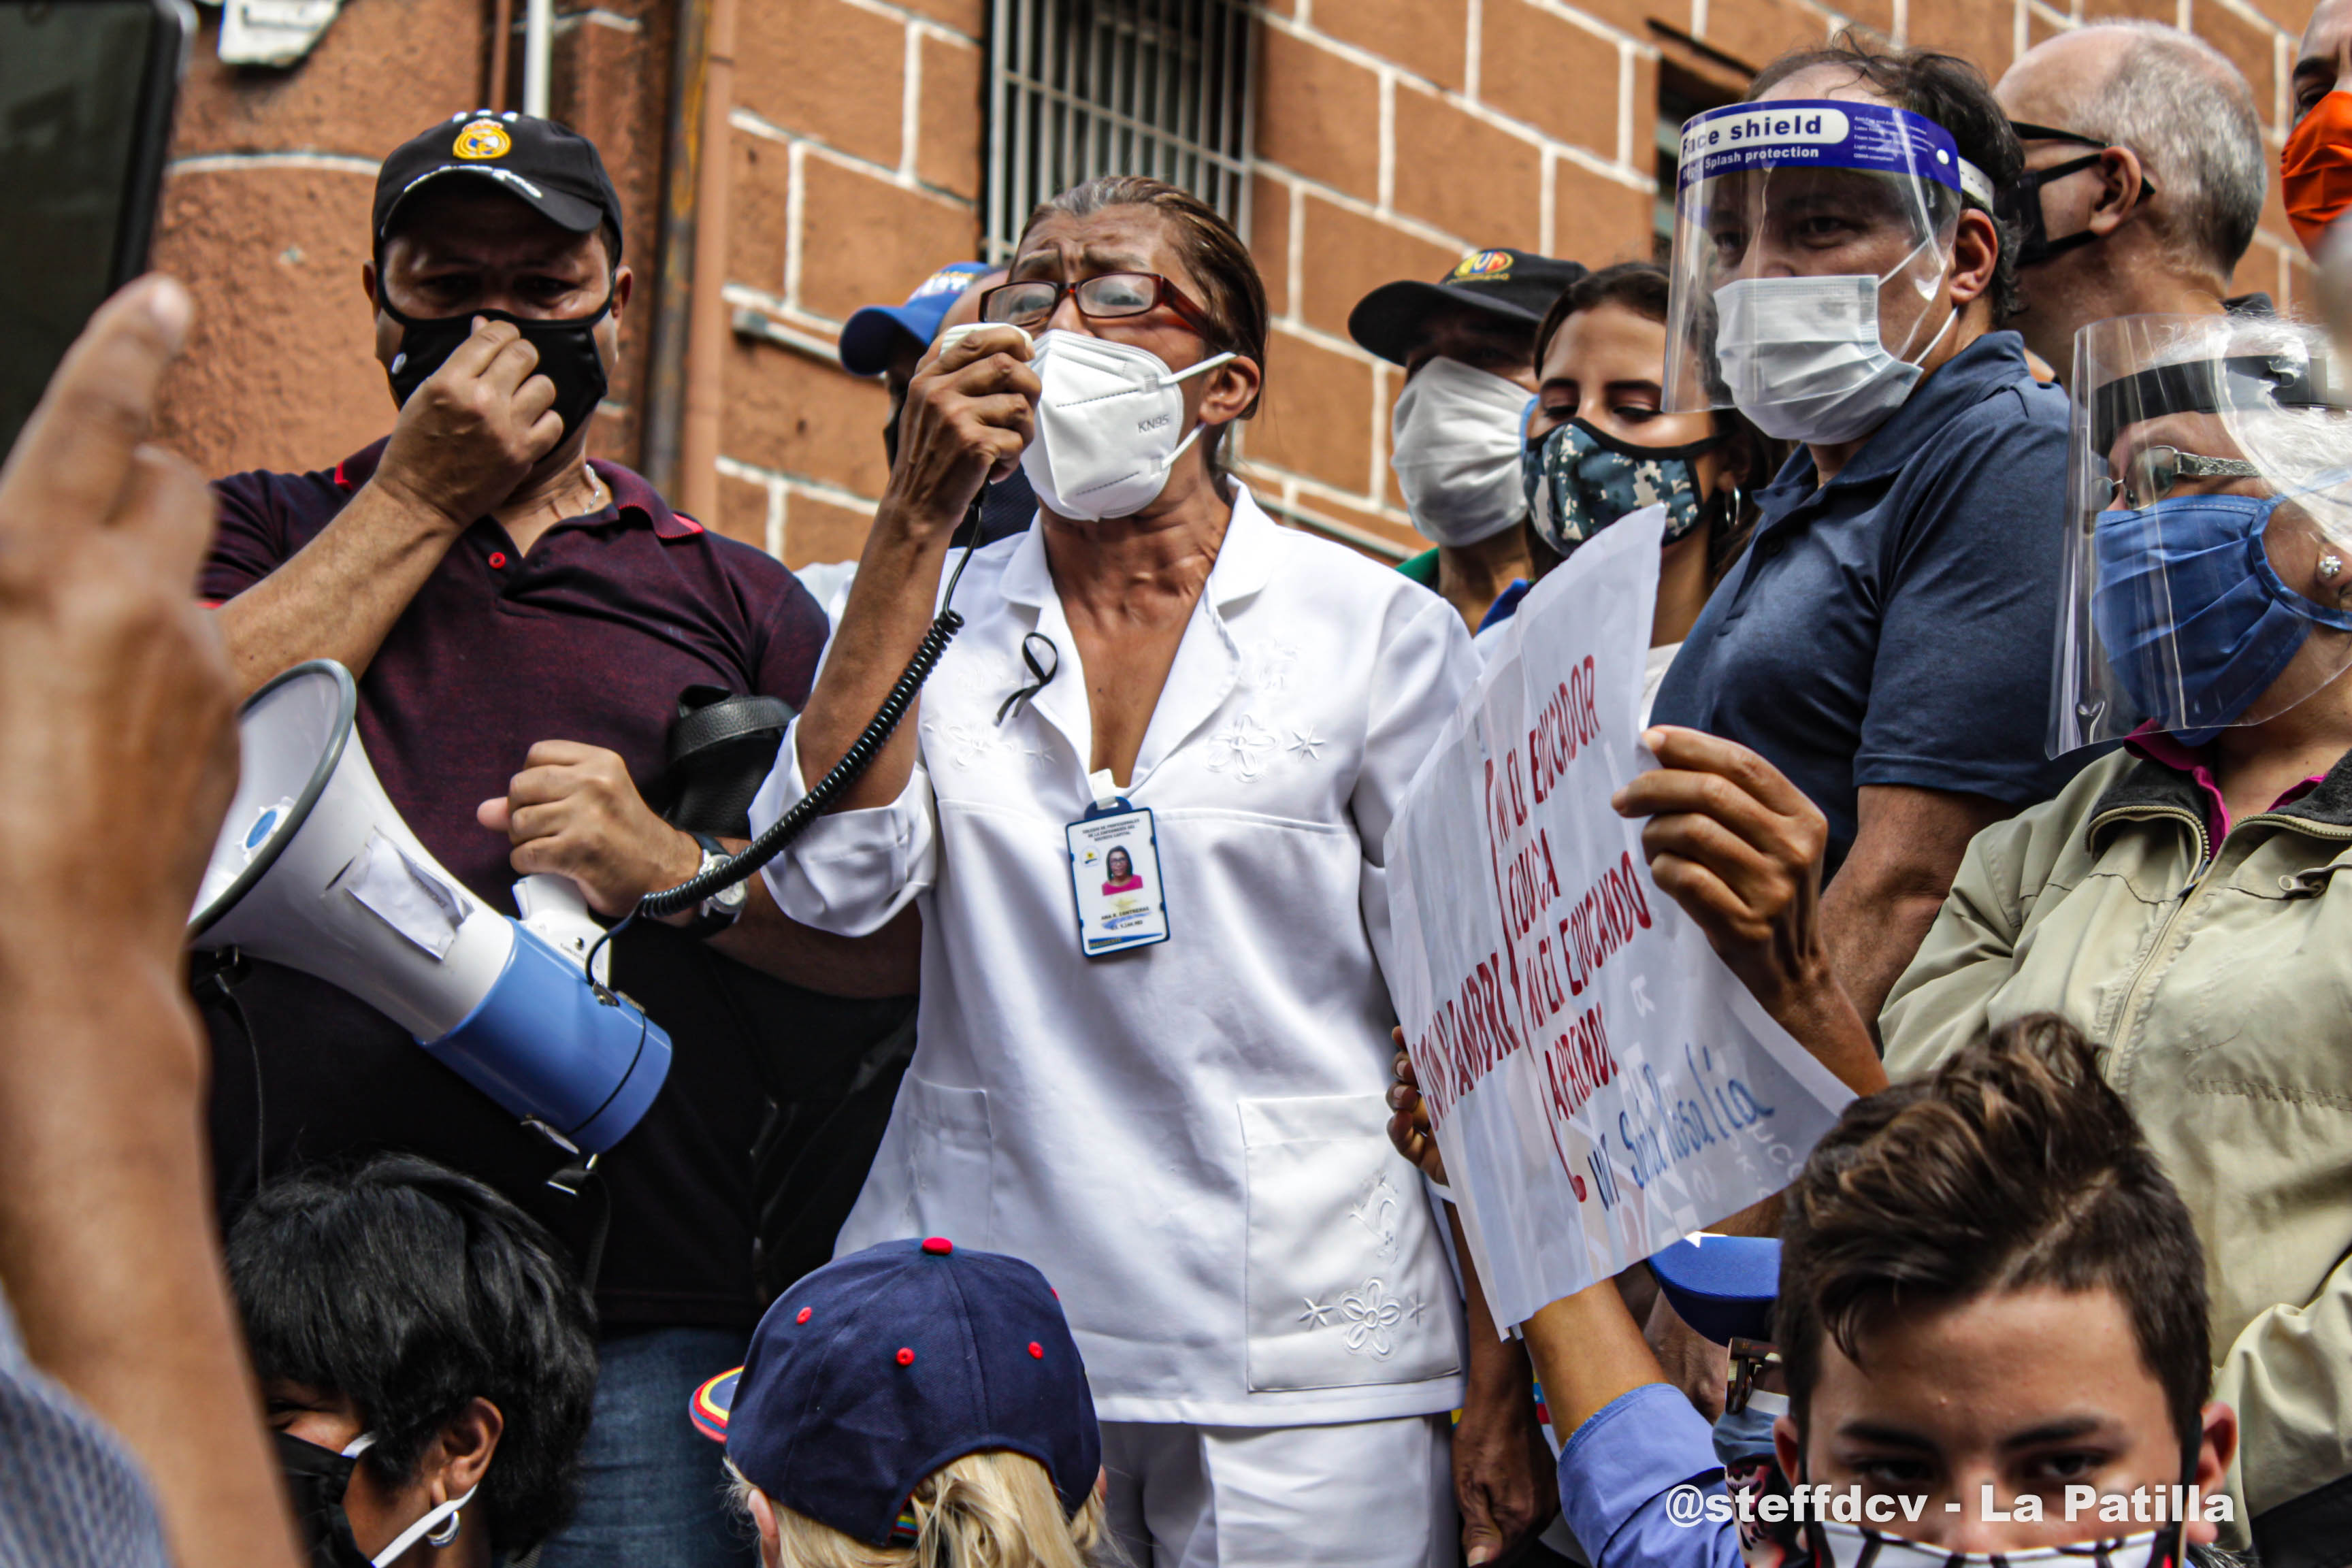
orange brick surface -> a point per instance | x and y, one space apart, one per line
1319 114
1317 415
1554 75
865 240
1346 255
1427 37
826 68
1464 174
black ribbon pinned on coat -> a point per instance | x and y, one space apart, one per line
1045 673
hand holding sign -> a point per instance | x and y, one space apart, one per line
1599 1081
1739 847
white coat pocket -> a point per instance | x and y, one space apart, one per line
950 1161
1346 1283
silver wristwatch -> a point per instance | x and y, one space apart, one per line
725 907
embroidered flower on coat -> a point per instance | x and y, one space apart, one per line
1371 1313
1242 746
1306 744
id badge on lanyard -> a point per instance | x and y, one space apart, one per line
1115 874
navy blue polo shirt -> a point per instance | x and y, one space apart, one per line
1896 626
589 638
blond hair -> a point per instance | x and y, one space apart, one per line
995 1509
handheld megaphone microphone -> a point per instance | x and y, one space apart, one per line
314 869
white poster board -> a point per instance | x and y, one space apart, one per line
1600 1083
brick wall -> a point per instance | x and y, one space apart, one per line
857 147
1391 136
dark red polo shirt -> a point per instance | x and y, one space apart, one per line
590 638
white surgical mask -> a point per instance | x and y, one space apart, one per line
429 1524
1111 424
1454 445
1804 358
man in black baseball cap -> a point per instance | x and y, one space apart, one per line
1457 428
523 622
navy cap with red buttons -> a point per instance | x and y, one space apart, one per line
1723 1286
879 1368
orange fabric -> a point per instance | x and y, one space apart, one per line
2316 168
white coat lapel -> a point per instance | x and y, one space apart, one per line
1208 661
1028 584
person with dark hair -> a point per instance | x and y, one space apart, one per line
1840 277
1172 1102
524 622
1454 435
1991 1325
1597 449
427 1359
1601 446
2316 165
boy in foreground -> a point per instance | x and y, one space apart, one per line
1991 1321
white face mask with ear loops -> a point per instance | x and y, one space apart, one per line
1111 424
428 1527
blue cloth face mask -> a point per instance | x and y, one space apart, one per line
1578 481
2194 621
1743 1437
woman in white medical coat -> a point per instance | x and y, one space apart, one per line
1187 1134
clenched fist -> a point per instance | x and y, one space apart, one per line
575 810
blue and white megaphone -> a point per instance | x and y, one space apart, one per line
314 869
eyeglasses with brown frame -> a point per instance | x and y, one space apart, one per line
1108 296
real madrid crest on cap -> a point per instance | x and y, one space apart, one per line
483 139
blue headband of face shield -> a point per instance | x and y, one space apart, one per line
2194 620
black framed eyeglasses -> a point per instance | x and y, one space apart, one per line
1108 296
2152 472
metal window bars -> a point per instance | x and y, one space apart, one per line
1079 88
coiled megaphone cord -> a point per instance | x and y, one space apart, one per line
839 778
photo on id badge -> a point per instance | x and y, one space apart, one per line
1115 873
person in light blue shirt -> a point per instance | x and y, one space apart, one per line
1991 1319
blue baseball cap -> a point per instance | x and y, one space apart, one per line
880 1367
872 335
1723 1286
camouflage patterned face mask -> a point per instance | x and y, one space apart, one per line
1579 480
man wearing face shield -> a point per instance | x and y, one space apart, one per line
1838 278
1467 345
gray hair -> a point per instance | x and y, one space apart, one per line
2178 101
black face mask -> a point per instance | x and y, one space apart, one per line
2020 205
316 1481
567 355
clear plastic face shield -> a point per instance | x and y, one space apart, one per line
2209 528
1812 241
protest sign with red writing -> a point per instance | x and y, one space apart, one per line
1600 1083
